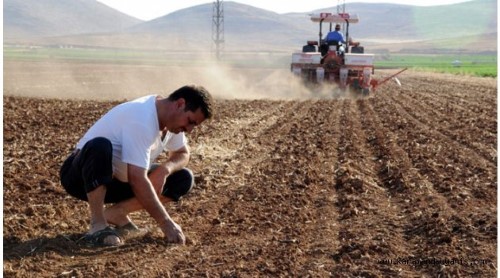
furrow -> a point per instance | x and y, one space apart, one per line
463 133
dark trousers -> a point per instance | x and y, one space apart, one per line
90 167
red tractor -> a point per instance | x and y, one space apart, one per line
339 62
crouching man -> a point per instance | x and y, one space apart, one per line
114 163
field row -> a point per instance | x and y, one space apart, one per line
396 184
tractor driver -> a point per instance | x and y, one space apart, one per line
337 36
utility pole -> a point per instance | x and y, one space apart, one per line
341 10
218 28
340 6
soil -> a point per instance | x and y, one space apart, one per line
401 183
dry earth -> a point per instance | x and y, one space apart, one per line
403 183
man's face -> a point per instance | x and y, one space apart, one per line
184 121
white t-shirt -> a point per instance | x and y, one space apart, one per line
134 132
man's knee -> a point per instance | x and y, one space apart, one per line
87 168
178 184
99 145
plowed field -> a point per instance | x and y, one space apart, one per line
403 183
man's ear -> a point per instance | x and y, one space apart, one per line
180 103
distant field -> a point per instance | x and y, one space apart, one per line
468 64
478 65
89 55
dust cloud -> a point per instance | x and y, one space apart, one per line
101 81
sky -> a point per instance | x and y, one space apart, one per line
150 9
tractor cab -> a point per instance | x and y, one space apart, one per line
331 20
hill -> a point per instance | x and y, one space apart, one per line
469 26
29 19
247 27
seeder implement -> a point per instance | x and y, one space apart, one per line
343 64
375 83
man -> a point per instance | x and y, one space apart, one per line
335 35
111 161
338 37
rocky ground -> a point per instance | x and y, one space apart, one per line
402 183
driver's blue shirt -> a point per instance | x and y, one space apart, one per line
335 36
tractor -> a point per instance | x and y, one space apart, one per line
334 62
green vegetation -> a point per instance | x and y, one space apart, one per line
468 64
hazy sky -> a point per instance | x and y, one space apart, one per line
149 9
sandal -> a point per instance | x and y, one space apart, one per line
130 230
97 239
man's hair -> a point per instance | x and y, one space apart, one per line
195 97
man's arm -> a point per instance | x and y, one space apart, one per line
176 161
146 196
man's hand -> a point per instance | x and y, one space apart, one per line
173 233
148 199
